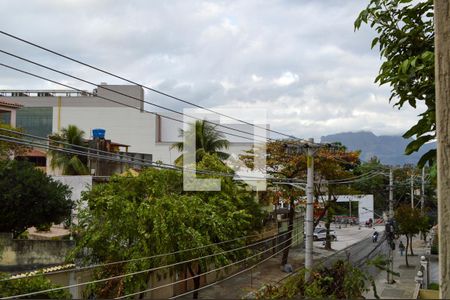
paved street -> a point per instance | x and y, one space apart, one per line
270 272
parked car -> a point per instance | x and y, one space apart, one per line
321 234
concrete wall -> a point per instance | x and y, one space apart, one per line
365 205
144 132
123 125
18 255
86 101
77 184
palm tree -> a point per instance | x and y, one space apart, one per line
71 164
207 140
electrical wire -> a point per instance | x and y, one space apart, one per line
126 274
135 162
352 178
357 180
233 275
141 85
134 107
123 94
79 269
206 273
148 163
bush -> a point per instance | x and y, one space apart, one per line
29 285
434 249
28 197
341 281
44 227
433 286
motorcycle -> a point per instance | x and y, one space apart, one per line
375 237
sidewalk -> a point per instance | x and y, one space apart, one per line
405 284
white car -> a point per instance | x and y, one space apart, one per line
321 234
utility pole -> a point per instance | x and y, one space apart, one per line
412 191
310 149
391 194
442 84
389 227
422 194
309 210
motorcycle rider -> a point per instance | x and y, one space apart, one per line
375 237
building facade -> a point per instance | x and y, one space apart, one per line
119 109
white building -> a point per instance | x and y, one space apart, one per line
124 118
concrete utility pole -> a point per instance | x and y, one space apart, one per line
311 149
390 278
442 80
422 194
309 211
391 194
412 191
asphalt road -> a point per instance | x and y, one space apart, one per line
353 244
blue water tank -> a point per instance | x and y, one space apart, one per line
98 133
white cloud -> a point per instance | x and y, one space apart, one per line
286 79
256 78
315 77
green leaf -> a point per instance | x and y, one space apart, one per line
404 66
416 144
429 157
427 55
374 42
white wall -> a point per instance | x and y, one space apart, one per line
78 184
123 125
365 205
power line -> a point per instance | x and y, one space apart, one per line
357 180
208 272
144 162
355 177
137 162
147 257
138 84
113 277
116 92
131 106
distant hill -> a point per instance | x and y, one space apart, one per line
389 149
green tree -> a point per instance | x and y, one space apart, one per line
409 222
8 149
405 36
327 165
157 217
29 198
25 285
207 140
341 280
71 164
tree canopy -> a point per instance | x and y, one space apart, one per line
410 222
70 163
207 141
133 217
405 36
29 198
9 288
8 149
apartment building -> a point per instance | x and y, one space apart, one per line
108 107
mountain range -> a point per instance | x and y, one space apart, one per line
390 149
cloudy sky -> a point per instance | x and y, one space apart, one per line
299 59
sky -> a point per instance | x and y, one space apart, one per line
301 60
